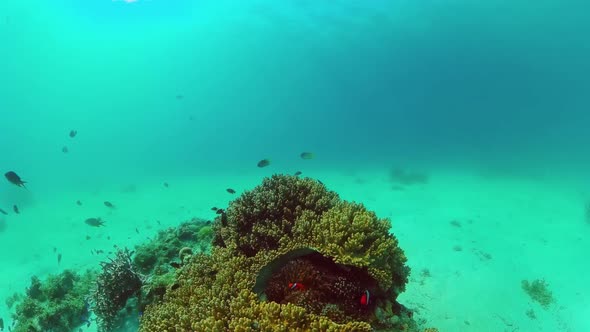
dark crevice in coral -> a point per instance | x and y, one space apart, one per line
322 287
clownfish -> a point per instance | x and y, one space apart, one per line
296 286
365 298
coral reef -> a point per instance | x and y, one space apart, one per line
126 284
352 235
133 279
290 256
172 247
118 281
154 257
57 304
260 218
184 254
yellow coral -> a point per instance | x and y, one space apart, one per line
352 235
260 218
283 215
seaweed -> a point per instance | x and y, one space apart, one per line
538 291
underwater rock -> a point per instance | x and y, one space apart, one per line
406 178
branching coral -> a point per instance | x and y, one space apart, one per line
117 282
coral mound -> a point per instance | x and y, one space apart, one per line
55 304
290 256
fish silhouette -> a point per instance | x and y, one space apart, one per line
13 178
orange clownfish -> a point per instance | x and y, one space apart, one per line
296 286
365 298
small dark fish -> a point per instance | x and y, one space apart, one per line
230 190
263 163
65 149
166 184
220 211
1 324
58 258
94 222
109 205
136 230
78 203
88 237
321 182
73 133
174 286
15 208
307 155
54 249
297 173
159 223
13 178
3 212
214 209
175 265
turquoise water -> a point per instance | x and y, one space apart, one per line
489 98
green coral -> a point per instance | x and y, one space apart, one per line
154 257
290 230
56 304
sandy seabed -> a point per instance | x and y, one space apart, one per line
470 239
